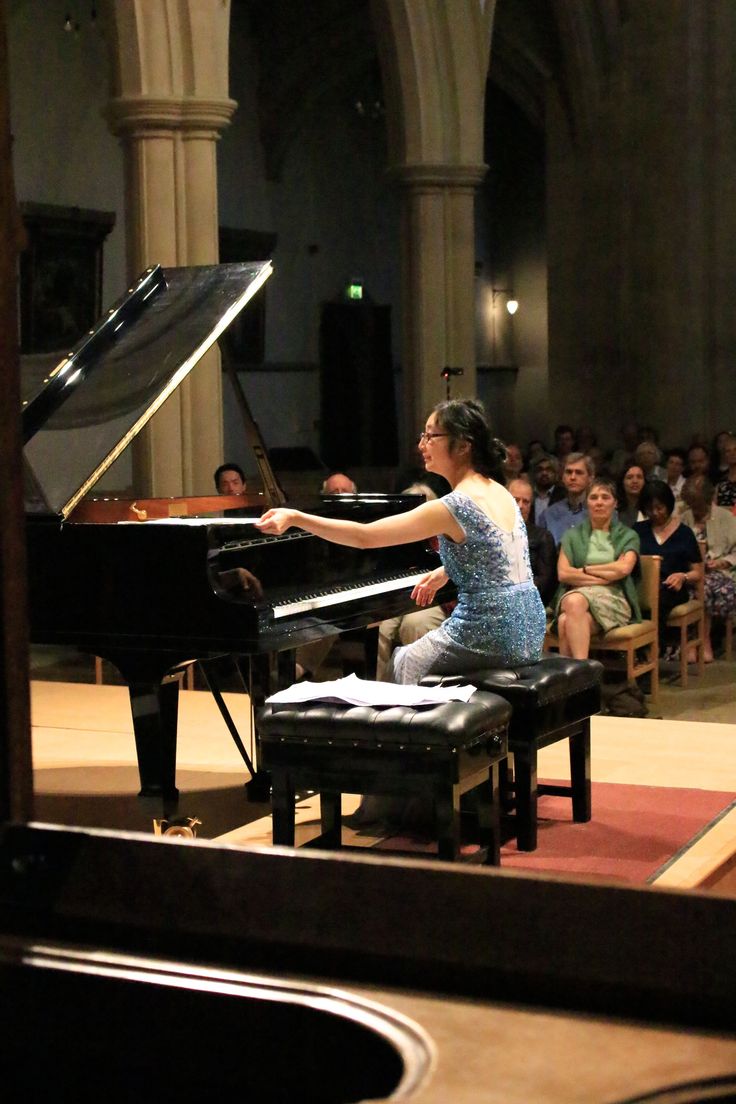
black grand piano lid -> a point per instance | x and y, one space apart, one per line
79 416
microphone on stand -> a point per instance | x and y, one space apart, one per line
447 373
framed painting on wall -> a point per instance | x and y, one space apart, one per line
60 277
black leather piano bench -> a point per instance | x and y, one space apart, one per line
551 700
439 751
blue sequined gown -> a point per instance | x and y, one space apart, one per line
499 619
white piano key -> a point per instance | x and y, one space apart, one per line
351 594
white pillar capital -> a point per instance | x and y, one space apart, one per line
426 177
141 116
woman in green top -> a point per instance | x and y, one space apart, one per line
595 566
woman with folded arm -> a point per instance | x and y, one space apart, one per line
595 566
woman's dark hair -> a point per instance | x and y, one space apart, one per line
465 420
656 491
621 495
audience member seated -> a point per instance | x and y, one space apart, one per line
230 480
675 460
715 531
620 457
663 534
698 460
338 483
513 465
545 473
647 456
436 482
648 433
534 449
629 489
726 489
408 627
576 479
587 443
585 439
564 442
719 467
542 551
595 565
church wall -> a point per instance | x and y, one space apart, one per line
63 151
335 213
511 254
641 230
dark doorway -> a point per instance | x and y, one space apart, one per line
358 406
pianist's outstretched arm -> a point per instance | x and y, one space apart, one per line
431 519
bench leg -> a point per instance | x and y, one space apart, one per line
331 818
489 819
447 813
526 793
580 774
282 809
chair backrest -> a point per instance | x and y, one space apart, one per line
648 589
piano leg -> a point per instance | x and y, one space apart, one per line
212 669
153 685
155 708
263 675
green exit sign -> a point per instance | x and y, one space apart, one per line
355 291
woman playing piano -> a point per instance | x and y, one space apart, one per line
499 618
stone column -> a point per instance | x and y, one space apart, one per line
171 204
438 292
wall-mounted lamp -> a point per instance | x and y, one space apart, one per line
512 306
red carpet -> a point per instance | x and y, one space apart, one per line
635 830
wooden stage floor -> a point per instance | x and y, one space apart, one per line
85 771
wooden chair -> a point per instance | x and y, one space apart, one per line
689 618
629 640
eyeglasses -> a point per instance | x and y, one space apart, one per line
425 436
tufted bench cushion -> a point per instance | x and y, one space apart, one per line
439 751
551 700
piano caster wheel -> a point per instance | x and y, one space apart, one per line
258 788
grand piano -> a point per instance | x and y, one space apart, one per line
152 585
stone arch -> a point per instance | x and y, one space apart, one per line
174 48
434 61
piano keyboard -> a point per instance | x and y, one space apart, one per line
349 594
